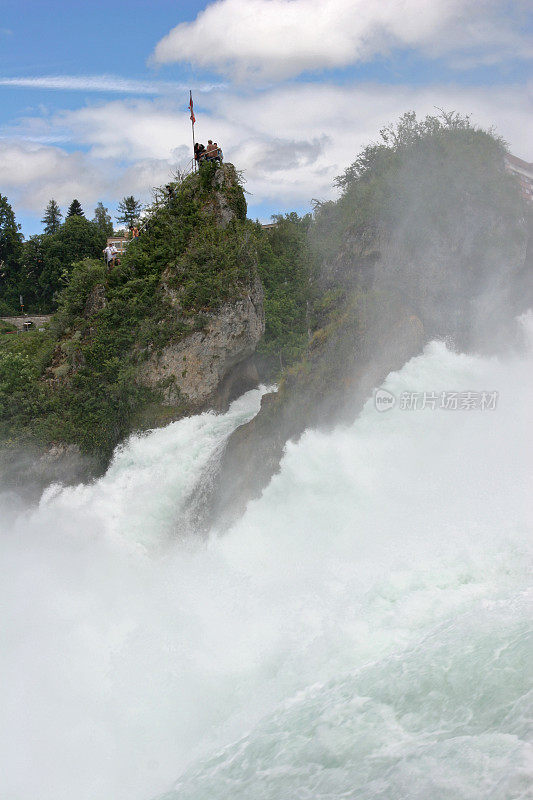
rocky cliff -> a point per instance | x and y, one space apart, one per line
210 367
170 331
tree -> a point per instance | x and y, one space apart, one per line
10 250
52 218
286 266
76 239
75 209
129 209
33 263
102 219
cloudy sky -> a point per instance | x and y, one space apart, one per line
93 95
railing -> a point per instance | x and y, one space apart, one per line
214 155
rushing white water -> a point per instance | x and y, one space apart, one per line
360 633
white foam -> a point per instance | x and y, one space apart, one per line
360 629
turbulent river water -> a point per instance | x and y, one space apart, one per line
362 631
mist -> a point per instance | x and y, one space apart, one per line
363 625
429 240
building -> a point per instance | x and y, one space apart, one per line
524 172
120 242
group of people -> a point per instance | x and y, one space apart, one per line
110 251
210 153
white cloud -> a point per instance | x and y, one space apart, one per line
128 130
281 38
101 83
291 141
323 127
32 174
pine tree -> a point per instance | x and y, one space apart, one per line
52 218
10 247
75 209
102 219
129 209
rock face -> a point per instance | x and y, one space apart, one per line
211 366
27 471
96 300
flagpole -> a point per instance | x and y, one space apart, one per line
192 126
193 145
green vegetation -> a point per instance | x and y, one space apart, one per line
102 220
129 211
10 256
24 400
78 380
52 218
433 171
75 209
7 327
47 260
209 264
288 269
426 219
39 268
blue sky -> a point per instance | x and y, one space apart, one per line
94 95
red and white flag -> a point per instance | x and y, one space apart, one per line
191 109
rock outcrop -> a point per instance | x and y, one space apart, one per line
210 367
169 332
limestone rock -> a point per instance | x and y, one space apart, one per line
199 369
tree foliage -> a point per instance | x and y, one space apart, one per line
10 253
441 160
75 209
129 211
76 239
52 218
102 220
48 260
287 268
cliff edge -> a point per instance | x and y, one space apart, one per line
169 331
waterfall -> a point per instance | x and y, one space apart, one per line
361 632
